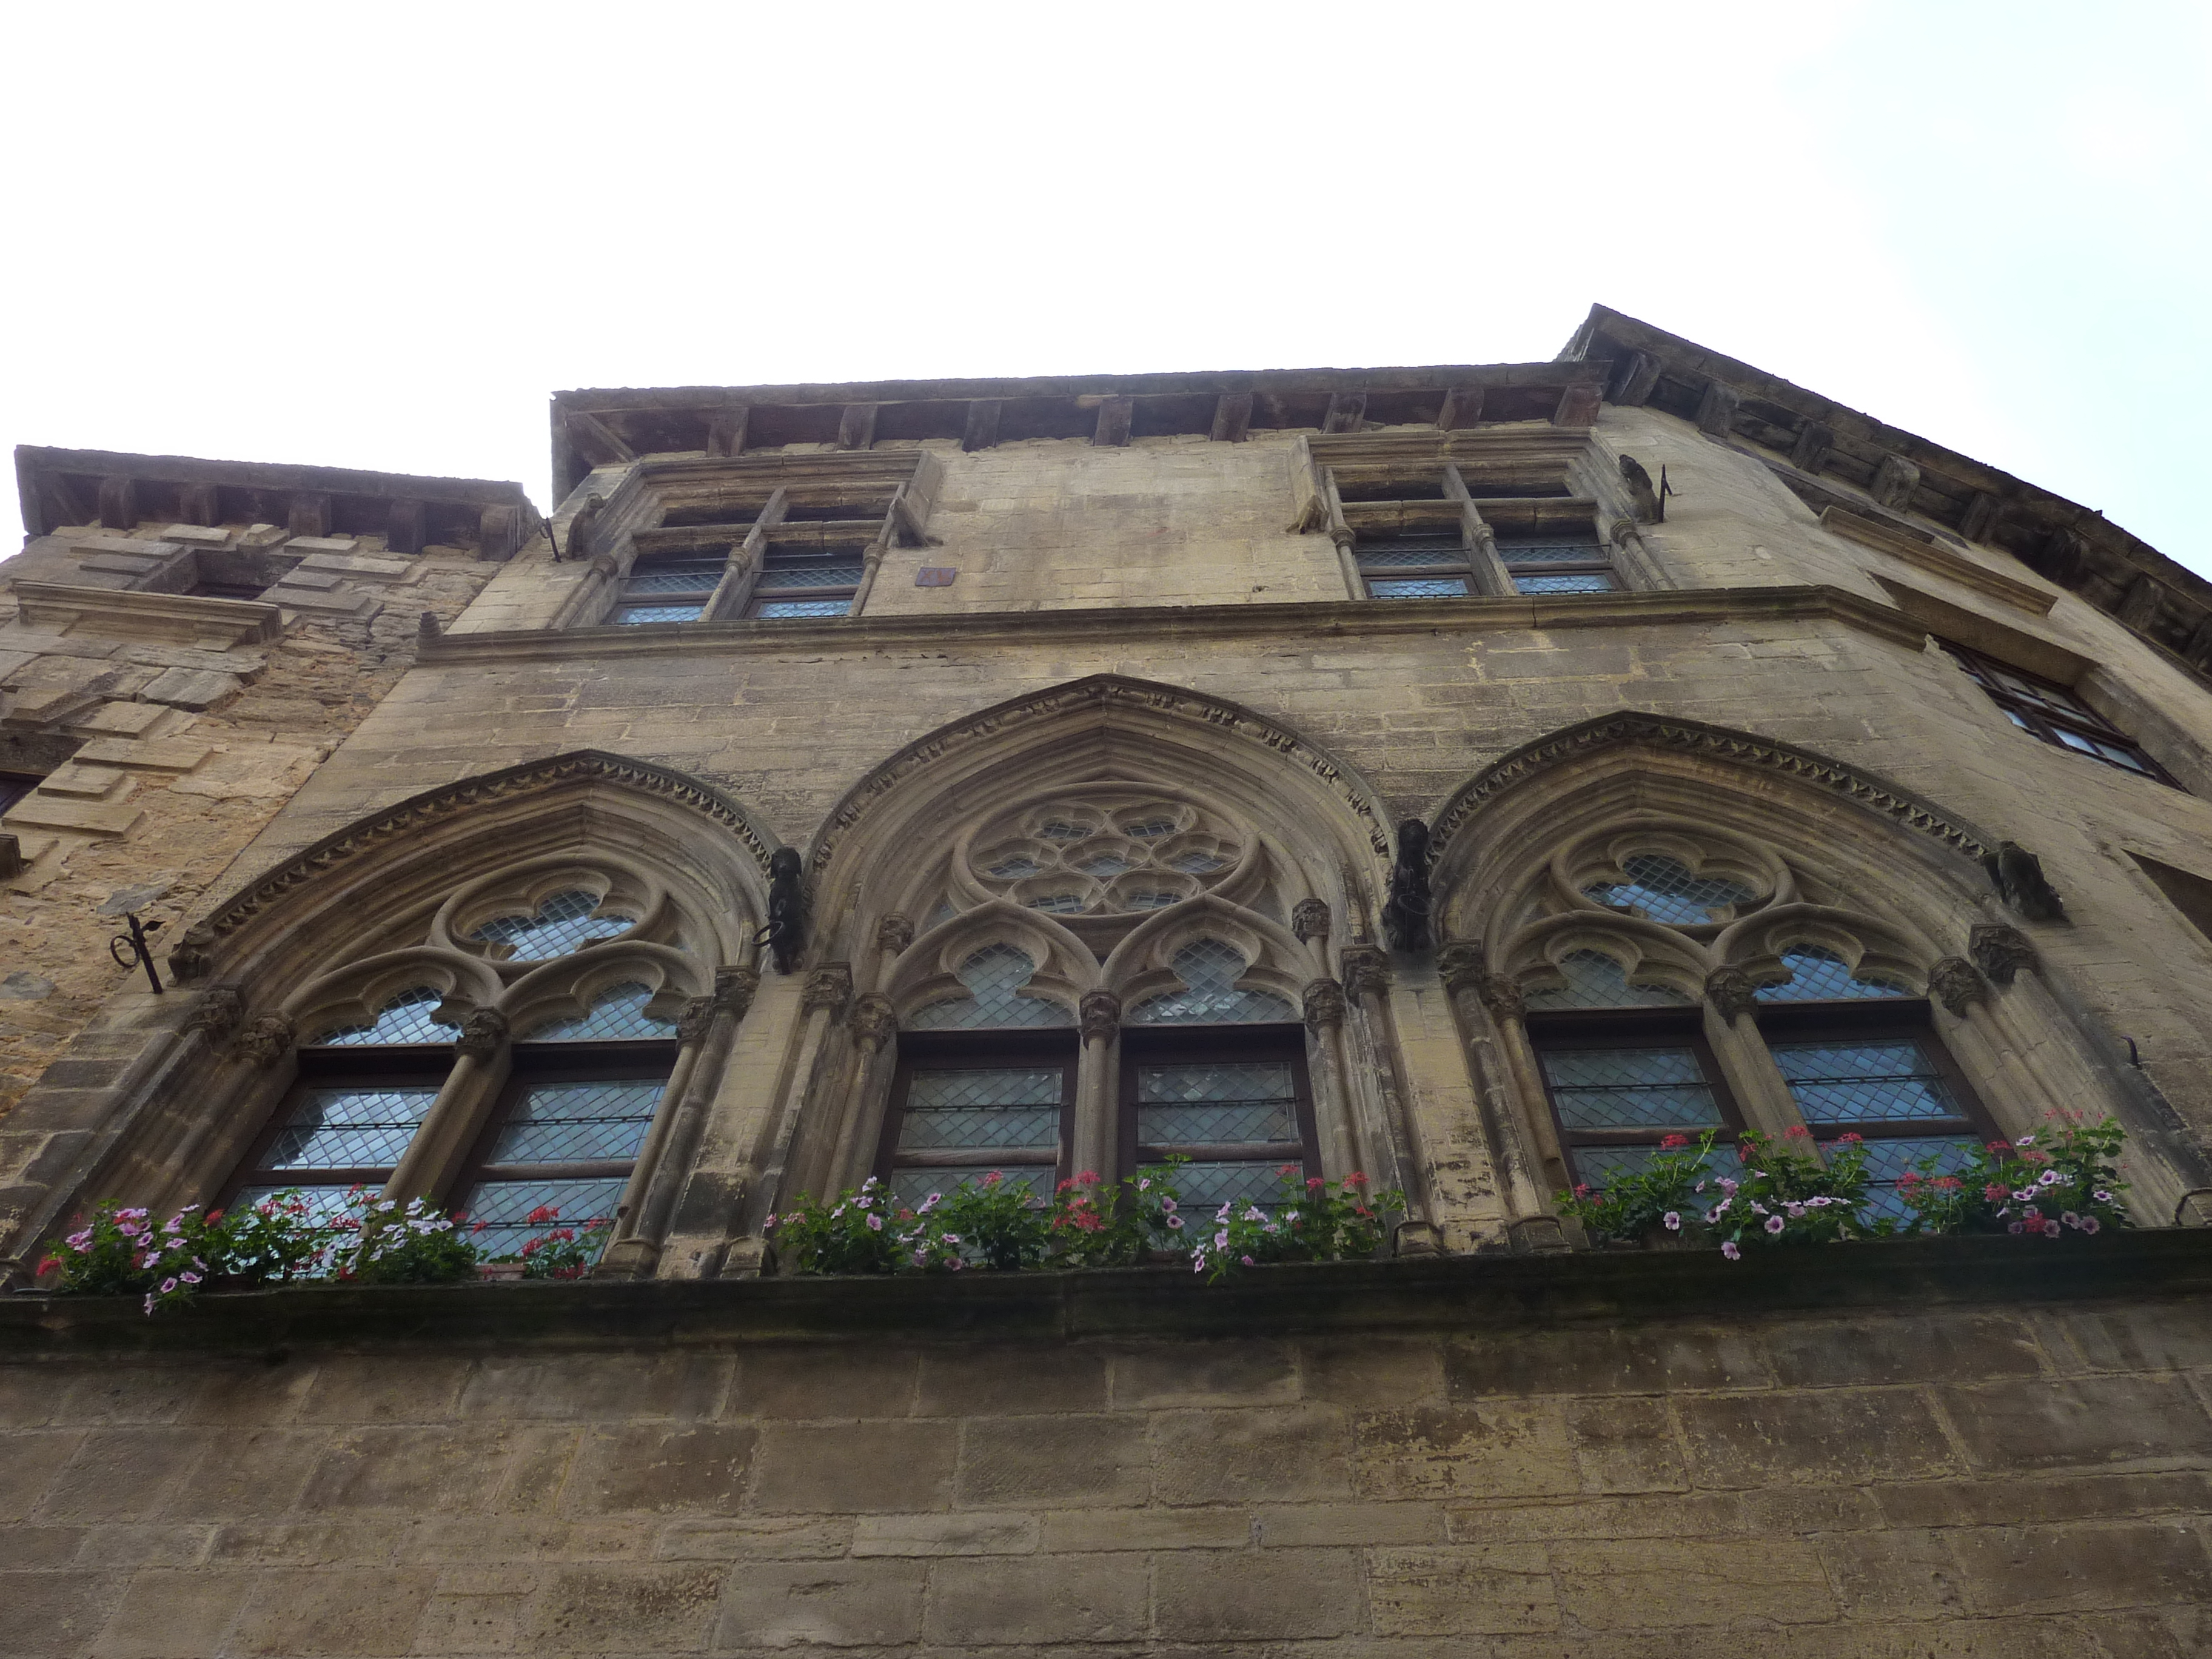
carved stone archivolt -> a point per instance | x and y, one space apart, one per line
264 1040
484 1034
1958 984
1999 951
1099 1016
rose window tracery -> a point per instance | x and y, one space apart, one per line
1104 855
1666 890
564 922
405 1019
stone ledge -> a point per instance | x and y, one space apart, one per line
1490 1293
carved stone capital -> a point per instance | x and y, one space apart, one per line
734 988
1462 965
873 1019
894 933
829 986
1502 994
484 1034
1958 983
1309 919
218 1012
696 1019
264 1040
193 956
1324 1005
1366 970
1099 1014
1732 991
2000 952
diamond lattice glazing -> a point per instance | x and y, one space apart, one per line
1147 828
405 1019
1410 558
985 1107
1202 1188
701 578
1596 980
1629 1088
631 616
772 608
994 977
1209 969
498 1211
618 1013
1588 582
811 576
1518 554
350 1128
1888 1160
1666 890
1884 1082
912 1187
1819 974
1431 587
564 922
578 1122
1217 1103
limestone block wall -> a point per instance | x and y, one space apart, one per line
169 727
1993 1478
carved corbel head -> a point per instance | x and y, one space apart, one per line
1309 919
1366 970
216 1013
734 988
192 957
264 1040
894 933
1099 1015
829 986
873 1019
1958 984
1324 1005
1462 965
1503 996
484 1034
1999 951
1732 991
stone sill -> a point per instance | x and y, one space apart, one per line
1417 1294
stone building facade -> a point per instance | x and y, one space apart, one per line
1418 772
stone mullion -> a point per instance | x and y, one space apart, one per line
1355 585
1324 1017
1746 1065
1096 1142
874 1026
1490 576
1501 995
1463 970
707 1027
483 1059
736 588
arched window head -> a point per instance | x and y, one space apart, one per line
564 922
1594 979
1209 969
405 1019
1108 851
994 977
1666 890
1819 974
616 1014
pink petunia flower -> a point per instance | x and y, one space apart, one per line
1775 1223
1673 1219
875 1224
1730 1251
2090 1223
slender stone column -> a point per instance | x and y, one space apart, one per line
1464 968
480 1062
1746 1064
1096 1143
873 1023
822 998
1391 1137
1502 999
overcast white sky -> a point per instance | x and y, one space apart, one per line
379 236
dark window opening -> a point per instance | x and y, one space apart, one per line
2054 715
14 786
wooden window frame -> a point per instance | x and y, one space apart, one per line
338 1067
650 1059
2044 725
1627 1028
988 1049
1199 1045
1872 1019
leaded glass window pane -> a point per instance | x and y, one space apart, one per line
325 1204
1432 587
631 616
618 1014
350 1128
1198 864
1596 980
564 922
1148 829
703 576
1410 558
1209 969
1819 974
811 576
1588 581
1651 1088
1884 1080
1601 1166
994 977
992 1108
593 1122
1149 898
772 608
1058 904
1204 1187
1517 554
1013 868
1666 890
405 1019
1888 1160
1216 1103
497 1213
1105 866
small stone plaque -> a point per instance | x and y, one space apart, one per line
935 575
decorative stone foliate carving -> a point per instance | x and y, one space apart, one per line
873 1019
1366 970
1406 913
894 933
264 1040
1732 991
1463 966
1502 994
1999 951
696 1020
786 932
484 1034
828 987
1309 919
1324 1005
734 988
217 1013
193 958
1958 983
2017 874
1099 1015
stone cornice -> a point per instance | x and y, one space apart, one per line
1322 619
1869 789
411 816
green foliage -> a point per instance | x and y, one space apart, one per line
1788 1196
1308 1222
1666 1195
121 1252
394 1243
2062 1179
559 1252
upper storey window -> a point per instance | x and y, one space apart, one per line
1416 567
808 581
2057 716
1575 564
667 589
